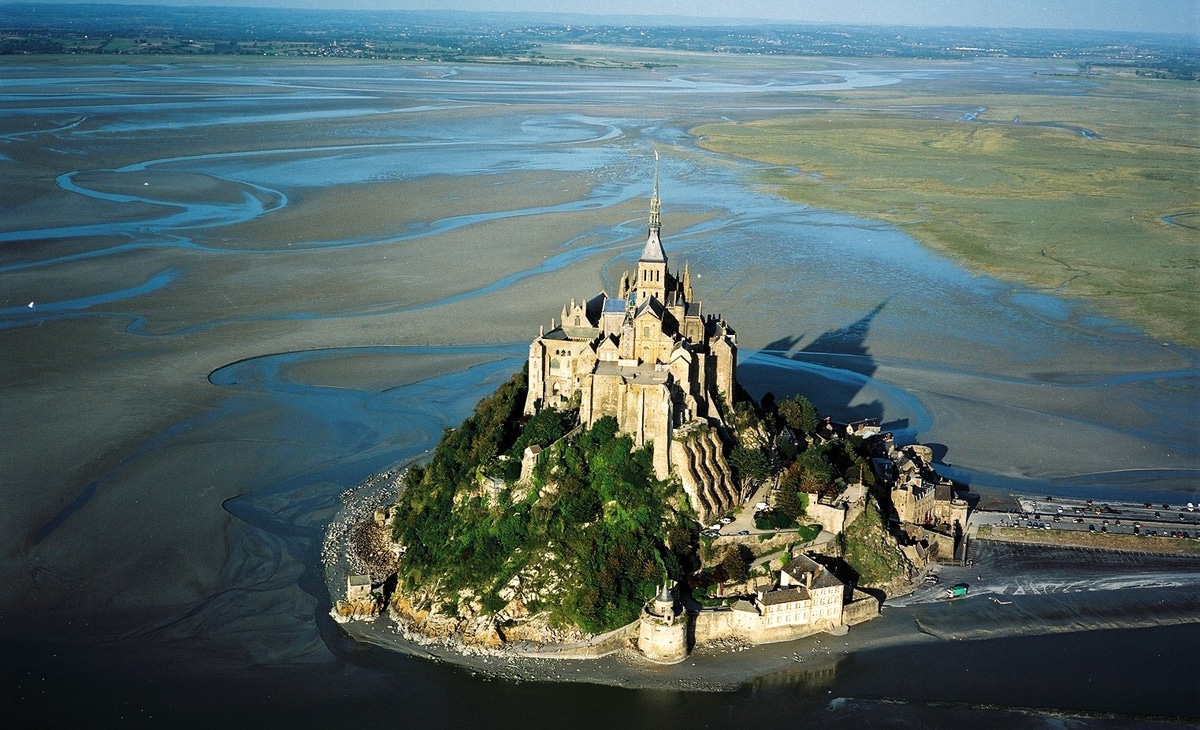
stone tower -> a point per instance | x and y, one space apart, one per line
651 279
662 633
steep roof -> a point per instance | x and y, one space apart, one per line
653 306
802 564
653 251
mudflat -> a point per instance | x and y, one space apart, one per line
230 293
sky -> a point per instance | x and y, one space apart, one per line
1155 16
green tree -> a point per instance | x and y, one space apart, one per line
791 502
750 464
736 561
800 415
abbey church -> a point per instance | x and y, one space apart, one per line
651 358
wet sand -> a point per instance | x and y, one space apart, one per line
203 373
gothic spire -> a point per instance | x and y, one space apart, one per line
654 204
653 252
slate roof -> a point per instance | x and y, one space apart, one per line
802 564
653 252
614 306
784 595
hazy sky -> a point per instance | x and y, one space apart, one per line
1173 16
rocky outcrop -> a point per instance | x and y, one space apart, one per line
363 609
699 460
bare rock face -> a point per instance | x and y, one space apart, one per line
365 609
482 633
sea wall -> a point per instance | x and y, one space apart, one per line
1099 540
862 607
712 625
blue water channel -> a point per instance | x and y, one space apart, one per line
853 313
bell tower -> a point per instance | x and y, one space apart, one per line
651 280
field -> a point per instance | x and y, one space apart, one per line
1089 190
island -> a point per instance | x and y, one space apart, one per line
622 493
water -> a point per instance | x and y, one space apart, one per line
166 564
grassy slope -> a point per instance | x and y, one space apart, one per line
1037 204
870 551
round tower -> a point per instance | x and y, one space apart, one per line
662 633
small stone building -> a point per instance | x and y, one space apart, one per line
358 587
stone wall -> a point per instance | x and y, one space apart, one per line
841 512
832 518
663 640
698 458
862 607
775 542
715 625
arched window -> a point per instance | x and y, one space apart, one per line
554 365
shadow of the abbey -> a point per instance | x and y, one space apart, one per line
832 371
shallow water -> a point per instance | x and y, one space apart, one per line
851 312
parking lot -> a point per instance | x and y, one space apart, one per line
1145 518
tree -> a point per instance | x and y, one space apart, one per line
791 502
736 562
751 464
817 474
800 415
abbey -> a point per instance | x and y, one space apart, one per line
653 359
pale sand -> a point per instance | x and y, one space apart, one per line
84 401
57 394
387 208
82 385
